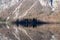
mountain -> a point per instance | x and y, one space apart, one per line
42 10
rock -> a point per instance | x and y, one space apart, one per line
44 10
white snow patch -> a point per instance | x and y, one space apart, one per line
23 30
47 3
16 11
15 33
25 13
53 37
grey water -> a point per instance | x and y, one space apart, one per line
24 22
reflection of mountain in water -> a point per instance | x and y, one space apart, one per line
29 22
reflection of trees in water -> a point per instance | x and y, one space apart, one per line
2 25
29 22
2 19
4 22
24 22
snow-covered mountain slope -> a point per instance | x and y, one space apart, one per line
20 8
54 4
9 3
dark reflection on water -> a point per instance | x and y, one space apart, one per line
29 22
